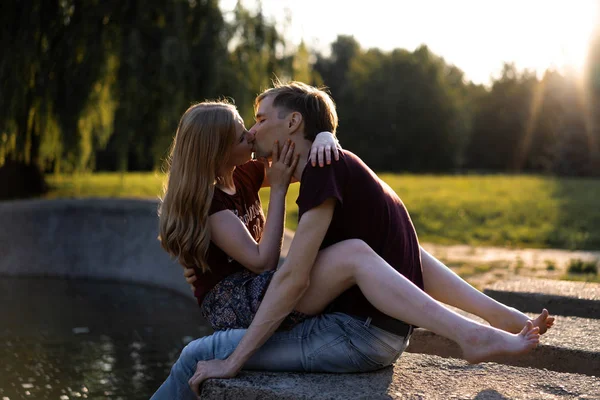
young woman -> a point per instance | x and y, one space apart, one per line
210 167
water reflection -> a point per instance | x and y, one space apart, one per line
72 339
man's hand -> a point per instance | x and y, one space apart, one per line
211 369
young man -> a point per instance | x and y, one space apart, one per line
344 201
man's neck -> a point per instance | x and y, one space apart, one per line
303 150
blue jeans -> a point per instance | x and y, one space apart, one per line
326 343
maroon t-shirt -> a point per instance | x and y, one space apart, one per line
367 209
245 204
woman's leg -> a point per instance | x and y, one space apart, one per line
444 285
353 262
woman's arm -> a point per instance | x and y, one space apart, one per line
231 235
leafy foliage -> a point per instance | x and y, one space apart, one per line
100 85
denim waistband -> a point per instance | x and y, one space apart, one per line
388 324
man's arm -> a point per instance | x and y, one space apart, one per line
288 285
289 282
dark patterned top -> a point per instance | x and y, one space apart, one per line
245 203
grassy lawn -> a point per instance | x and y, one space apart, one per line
131 184
499 210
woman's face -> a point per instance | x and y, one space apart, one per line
241 152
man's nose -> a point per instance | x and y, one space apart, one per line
251 136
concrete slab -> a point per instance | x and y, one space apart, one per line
578 299
415 376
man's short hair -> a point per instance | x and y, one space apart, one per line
315 105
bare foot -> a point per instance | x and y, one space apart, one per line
514 322
485 343
544 321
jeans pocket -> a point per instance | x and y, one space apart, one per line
341 356
378 347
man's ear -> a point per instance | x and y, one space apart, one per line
295 121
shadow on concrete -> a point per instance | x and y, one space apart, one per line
490 395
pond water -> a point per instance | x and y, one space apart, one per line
69 339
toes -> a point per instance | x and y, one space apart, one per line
542 317
549 322
535 336
527 328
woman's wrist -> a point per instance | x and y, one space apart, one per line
279 190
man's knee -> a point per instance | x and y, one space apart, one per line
193 352
218 345
198 350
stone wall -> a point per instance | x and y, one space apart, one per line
114 239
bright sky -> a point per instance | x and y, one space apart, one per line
475 35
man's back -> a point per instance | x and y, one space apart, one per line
366 209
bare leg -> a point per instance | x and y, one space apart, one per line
444 285
353 262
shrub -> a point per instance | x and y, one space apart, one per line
20 180
578 266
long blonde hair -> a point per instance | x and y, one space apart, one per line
202 144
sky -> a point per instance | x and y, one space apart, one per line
475 35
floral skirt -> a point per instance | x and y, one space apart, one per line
233 302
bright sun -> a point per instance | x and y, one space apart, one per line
567 33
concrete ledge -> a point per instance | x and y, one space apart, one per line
112 239
415 376
572 345
578 299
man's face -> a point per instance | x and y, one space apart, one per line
268 128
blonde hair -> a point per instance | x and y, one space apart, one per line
202 144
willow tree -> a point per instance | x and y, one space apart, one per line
53 54
169 53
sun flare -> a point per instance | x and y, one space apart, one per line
566 32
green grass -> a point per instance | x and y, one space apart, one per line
498 210
581 278
129 185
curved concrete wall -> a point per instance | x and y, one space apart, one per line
90 238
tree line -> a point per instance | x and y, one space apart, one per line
93 85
